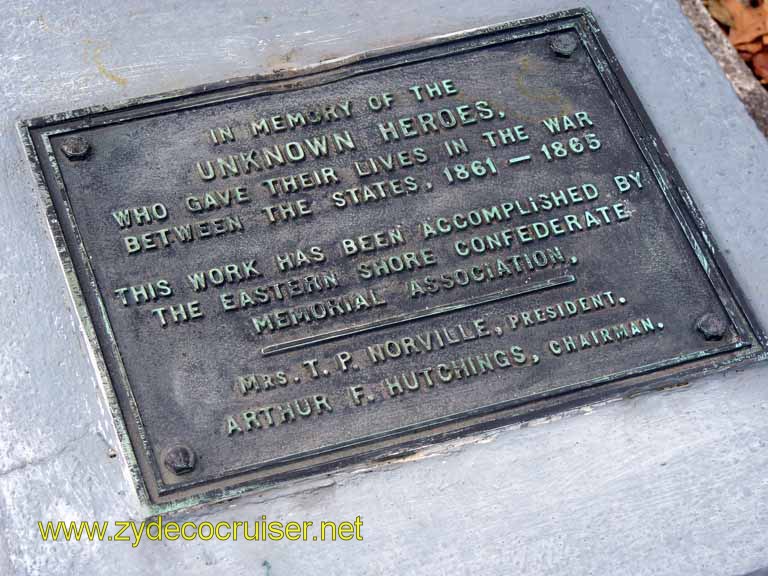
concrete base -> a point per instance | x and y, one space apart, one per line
667 483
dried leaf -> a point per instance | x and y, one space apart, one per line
760 64
749 23
751 47
720 12
746 56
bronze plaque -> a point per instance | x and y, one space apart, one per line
284 275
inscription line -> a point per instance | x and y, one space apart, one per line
413 316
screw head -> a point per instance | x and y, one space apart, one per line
711 326
180 459
76 148
564 44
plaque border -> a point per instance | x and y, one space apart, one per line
142 465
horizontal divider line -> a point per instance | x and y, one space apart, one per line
413 316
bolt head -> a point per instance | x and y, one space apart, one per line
564 44
76 148
712 326
180 460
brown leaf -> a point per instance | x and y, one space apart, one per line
751 47
746 56
720 12
749 23
760 64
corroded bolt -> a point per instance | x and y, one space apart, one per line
180 460
712 326
76 148
564 44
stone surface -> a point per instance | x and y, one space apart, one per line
667 483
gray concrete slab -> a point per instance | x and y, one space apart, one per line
667 483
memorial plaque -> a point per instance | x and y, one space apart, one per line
284 275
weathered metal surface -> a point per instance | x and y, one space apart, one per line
476 230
